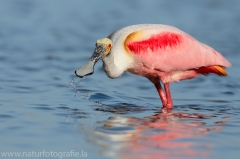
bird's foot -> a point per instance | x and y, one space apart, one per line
166 110
168 105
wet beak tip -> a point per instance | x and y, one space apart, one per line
81 76
86 69
78 75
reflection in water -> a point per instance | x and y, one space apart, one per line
164 135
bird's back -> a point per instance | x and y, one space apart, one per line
167 48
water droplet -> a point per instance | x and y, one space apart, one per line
75 81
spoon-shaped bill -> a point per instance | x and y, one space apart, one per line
88 68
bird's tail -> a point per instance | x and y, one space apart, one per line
220 71
205 70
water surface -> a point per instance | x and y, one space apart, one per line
43 42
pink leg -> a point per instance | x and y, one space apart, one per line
168 95
161 93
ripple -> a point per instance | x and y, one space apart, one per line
219 101
63 107
233 85
78 114
14 128
186 115
228 93
43 108
6 116
100 96
29 69
121 108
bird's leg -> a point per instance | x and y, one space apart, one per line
161 93
168 95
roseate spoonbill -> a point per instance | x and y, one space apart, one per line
157 52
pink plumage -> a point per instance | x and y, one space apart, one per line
167 54
157 52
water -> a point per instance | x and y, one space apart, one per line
43 42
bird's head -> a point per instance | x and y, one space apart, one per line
103 48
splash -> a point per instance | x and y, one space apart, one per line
78 93
74 82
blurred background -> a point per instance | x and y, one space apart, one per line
43 42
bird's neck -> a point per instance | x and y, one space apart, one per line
110 68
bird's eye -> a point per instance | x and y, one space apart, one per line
109 45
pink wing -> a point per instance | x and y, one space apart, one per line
168 50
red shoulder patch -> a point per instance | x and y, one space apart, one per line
155 42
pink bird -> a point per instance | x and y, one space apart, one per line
158 52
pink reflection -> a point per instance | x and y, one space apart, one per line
163 135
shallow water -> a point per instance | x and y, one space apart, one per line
43 42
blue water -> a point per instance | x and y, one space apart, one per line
43 42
